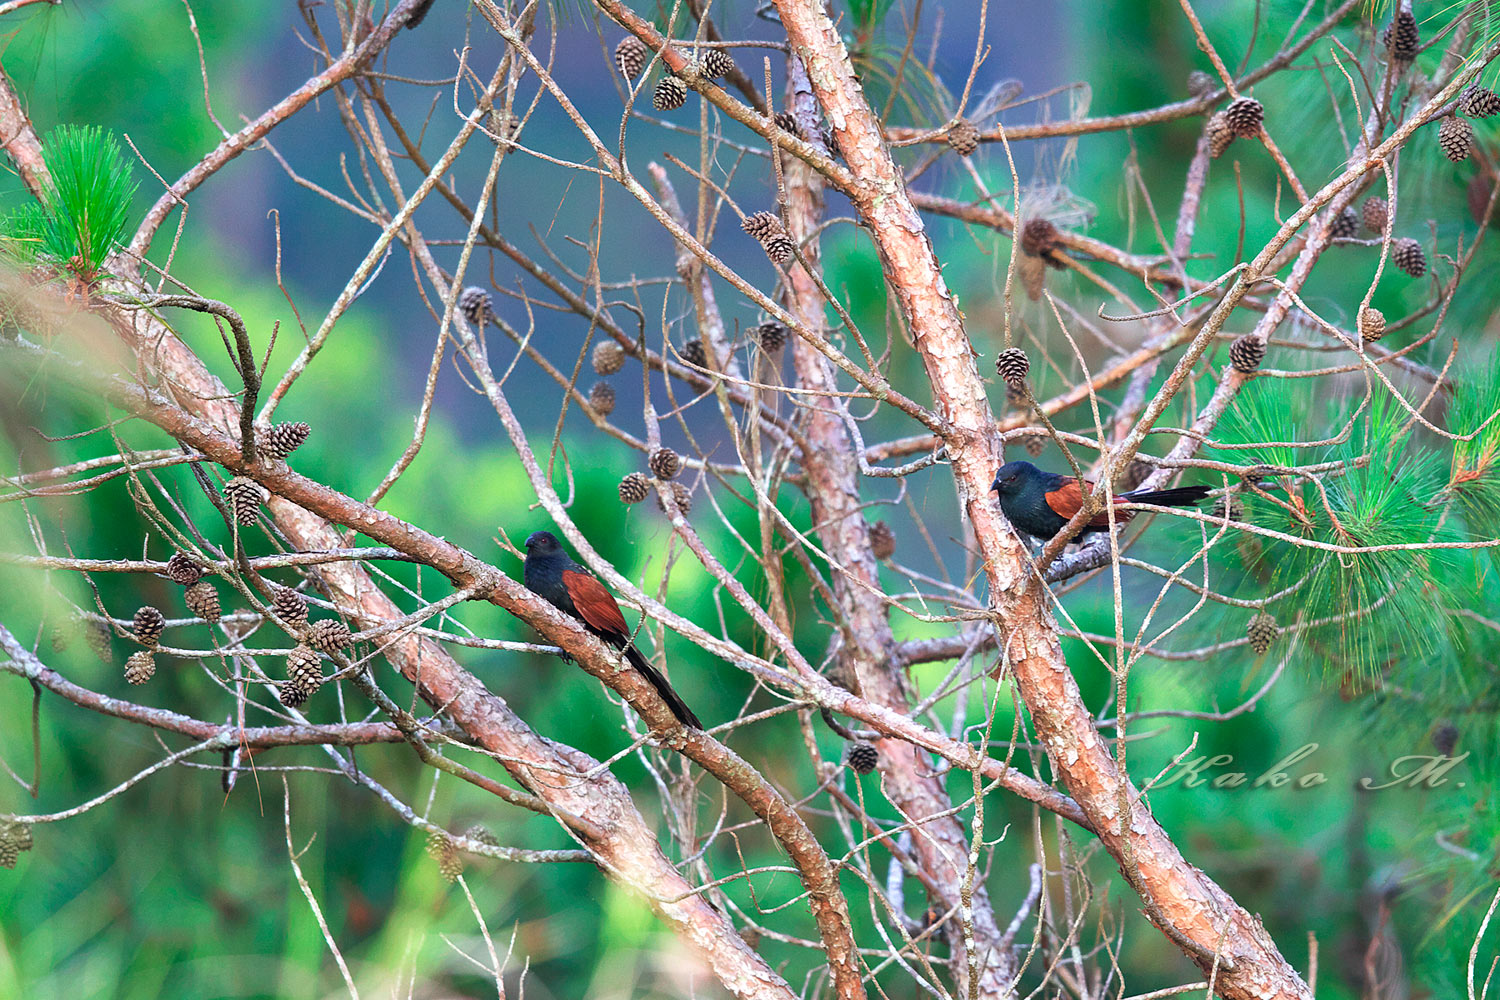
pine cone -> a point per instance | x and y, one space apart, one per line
771 336
671 94
716 64
184 569
329 635
61 638
1477 193
1262 631
1371 324
139 667
608 358
437 843
634 488
1445 738
602 398
14 838
963 137
1407 254
1247 352
761 226
1372 213
782 249
283 439
203 600
1040 238
1035 444
1252 551
630 56
503 126
1033 274
1012 365
1244 116
680 493
787 122
1200 83
1345 226
481 834
304 675
474 303
861 757
149 623
245 496
442 848
97 634
1478 102
1456 137
1229 506
882 540
289 606
693 353
1257 473
1401 37
830 140
665 463
1135 473
1220 135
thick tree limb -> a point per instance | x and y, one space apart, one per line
1215 931
833 487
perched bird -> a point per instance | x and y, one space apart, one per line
1040 503
551 574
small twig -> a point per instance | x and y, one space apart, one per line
312 900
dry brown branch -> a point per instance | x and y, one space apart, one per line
833 488
776 455
1185 904
626 850
20 141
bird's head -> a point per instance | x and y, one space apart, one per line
1012 477
540 543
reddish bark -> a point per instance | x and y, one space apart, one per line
1199 916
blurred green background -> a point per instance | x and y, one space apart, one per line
173 889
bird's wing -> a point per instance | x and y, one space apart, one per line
1067 499
596 605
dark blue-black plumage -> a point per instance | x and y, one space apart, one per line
1040 503
550 573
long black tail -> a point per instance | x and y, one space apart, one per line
1180 496
674 701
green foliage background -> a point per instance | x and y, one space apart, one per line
174 890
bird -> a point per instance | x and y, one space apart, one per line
552 575
1040 503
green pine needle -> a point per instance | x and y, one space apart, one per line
869 14
1268 416
83 213
1377 607
1475 479
1383 601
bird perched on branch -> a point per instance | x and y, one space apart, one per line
1040 503
567 586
